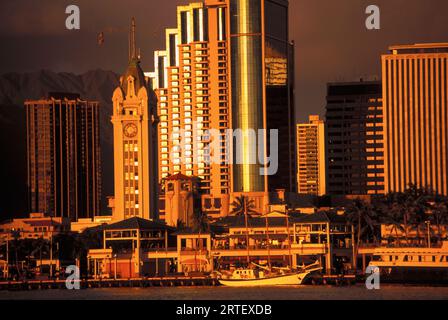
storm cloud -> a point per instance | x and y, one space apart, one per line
331 40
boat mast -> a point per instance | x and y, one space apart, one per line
268 243
247 231
289 239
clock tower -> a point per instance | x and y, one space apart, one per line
134 122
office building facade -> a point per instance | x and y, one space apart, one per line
311 179
63 154
415 80
355 143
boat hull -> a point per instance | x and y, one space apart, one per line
283 280
414 275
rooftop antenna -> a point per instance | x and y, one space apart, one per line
132 50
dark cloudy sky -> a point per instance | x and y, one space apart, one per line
332 42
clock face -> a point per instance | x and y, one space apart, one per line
130 130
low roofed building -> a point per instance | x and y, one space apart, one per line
37 225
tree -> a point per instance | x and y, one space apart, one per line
16 244
242 206
180 225
416 207
406 210
200 221
391 217
438 214
363 217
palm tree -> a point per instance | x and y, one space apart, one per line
17 244
392 218
200 225
363 217
82 242
391 209
200 221
243 206
40 246
180 224
439 214
406 210
416 207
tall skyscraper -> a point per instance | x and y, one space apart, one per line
226 66
260 59
415 80
64 175
135 143
311 170
355 144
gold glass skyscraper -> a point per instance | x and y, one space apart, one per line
226 66
415 80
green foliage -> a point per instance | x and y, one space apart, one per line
404 211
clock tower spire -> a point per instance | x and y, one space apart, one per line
135 142
132 43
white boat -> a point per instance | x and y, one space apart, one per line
257 278
413 264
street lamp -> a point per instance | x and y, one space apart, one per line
115 267
428 225
7 257
51 253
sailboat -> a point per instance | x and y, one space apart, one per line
255 277
266 276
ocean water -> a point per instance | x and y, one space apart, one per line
358 292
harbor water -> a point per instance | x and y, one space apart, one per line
358 292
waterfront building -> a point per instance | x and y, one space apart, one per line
137 247
134 122
63 155
226 65
83 224
415 79
311 171
285 240
36 226
355 143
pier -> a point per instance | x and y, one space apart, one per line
111 283
182 281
